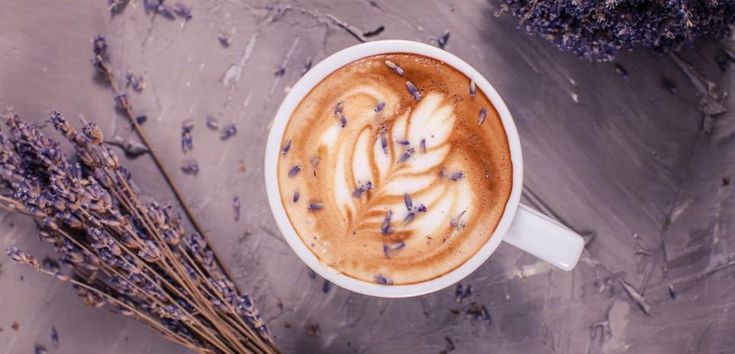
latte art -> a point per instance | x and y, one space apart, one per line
395 169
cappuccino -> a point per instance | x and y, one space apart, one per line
395 169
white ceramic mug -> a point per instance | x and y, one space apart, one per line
520 226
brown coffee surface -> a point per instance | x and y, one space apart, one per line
393 185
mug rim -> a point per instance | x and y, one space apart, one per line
272 154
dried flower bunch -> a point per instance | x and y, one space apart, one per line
120 252
123 254
597 30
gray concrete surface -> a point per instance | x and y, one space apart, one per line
622 160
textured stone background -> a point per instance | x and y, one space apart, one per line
634 167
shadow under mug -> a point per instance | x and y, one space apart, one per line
519 225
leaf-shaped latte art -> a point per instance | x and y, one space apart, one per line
380 164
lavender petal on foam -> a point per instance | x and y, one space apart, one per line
413 91
382 279
483 115
406 155
456 175
314 161
379 107
395 67
422 146
403 142
385 228
294 171
473 88
296 196
315 206
286 147
407 200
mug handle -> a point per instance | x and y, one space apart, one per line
545 238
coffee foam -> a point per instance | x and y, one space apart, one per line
409 190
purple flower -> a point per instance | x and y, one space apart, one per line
409 217
407 200
381 279
385 228
483 115
403 142
406 155
456 175
315 206
457 223
294 171
413 91
183 11
236 207
442 41
296 196
379 107
327 286
286 147
393 66
473 88
462 292
357 193
228 132
422 146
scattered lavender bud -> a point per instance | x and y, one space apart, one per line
473 88
296 196
342 120
39 349
413 91
374 32
442 173
280 71
212 123
315 206
403 142
134 82
483 115
311 273
668 85
338 108
393 66
141 119
462 292
381 279
286 147
450 344
422 146
386 251
406 155
385 228
409 217
327 286
457 223
383 142
294 171
672 293
54 337
479 312
228 132
357 193
236 207
379 107
407 200
166 11
307 66
620 69
421 208
183 11
151 5
225 39
187 141
456 175
443 40
190 167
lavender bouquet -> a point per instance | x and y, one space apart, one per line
121 253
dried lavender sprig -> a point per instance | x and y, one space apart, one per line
101 62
